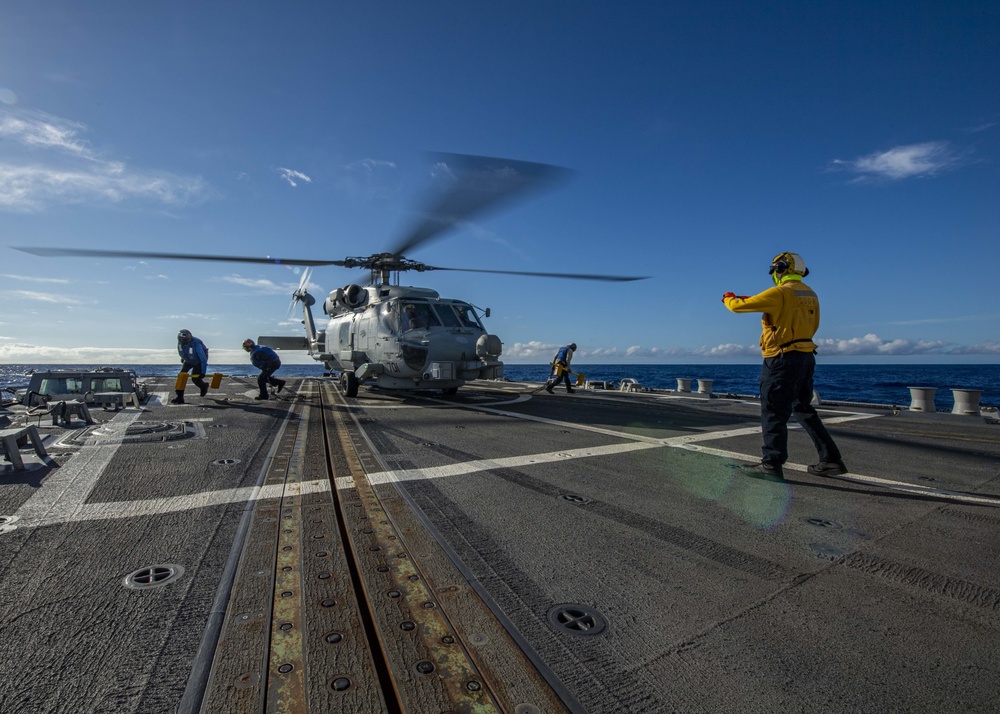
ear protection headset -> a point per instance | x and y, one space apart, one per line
781 265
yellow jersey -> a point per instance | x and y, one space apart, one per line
791 317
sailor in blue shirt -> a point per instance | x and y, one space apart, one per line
560 368
194 359
266 360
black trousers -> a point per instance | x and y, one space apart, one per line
196 377
786 390
555 379
265 378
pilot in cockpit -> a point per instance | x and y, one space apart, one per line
411 320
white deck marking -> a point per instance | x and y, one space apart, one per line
64 492
62 497
174 504
639 443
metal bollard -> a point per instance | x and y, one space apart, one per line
705 386
922 399
966 401
683 385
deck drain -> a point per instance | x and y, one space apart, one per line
154 576
225 462
823 523
574 498
576 619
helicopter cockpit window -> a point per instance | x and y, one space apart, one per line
467 316
447 315
388 322
416 316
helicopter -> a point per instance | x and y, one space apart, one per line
392 336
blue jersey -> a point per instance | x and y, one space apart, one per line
194 352
565 354
264 358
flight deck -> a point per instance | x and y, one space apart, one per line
498 550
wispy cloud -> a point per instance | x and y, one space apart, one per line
902 162
41 297
32 279
187 316
261 285
368 179
48 162
293 177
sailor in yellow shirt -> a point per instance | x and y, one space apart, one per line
790 319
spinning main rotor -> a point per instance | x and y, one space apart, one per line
480 183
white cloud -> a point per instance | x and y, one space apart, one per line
38 130
262 285
41 297
872 344
367 179
32 279
990 347
540 351
292 176
912 160
46 162
187 316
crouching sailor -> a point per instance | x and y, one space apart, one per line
194 359
266 360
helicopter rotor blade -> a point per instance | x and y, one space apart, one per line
481 182
571 276
297 295
90 253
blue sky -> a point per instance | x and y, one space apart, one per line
704 139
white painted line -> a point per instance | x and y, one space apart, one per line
469 467
64 492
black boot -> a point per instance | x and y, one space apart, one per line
260 397
179 399
281 385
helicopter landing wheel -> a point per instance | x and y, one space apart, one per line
349 384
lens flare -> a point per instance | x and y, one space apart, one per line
7 96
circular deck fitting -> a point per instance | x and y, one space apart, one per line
423 667
340 684
225 462
5 520
576 619
574 498
153 576
136 432
823 523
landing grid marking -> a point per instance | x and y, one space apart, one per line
62 498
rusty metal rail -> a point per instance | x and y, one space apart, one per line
343 602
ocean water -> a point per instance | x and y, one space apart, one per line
871 384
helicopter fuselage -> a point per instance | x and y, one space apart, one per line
399 337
